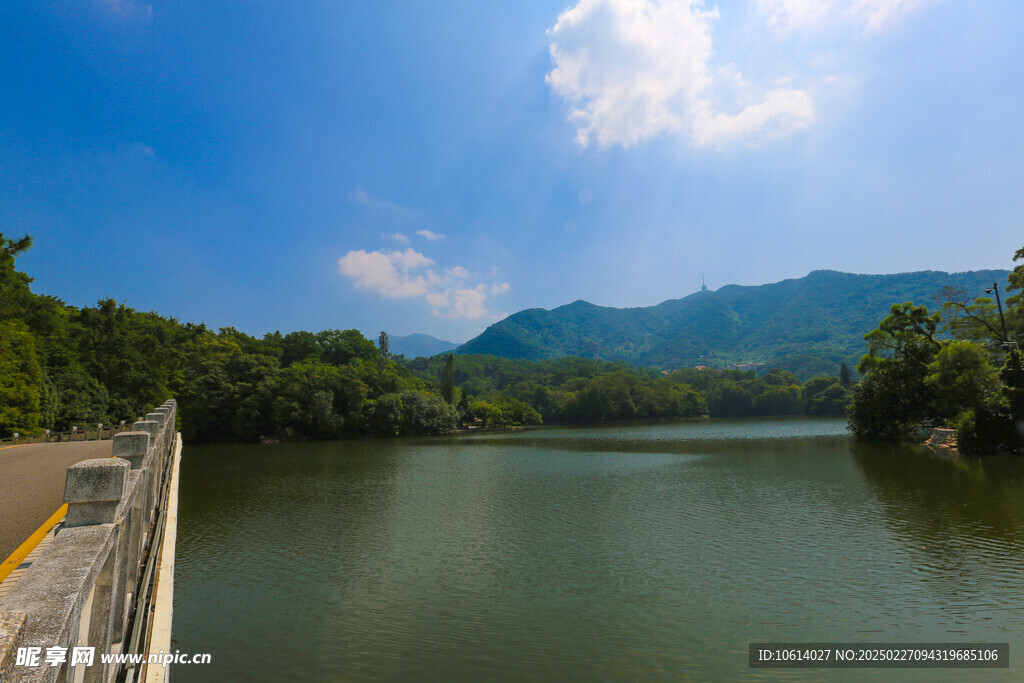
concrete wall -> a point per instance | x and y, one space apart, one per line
942 438
84 589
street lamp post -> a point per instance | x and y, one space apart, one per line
995 288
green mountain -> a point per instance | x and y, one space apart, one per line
807 325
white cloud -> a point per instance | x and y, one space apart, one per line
868 16
878 15
469 303
638 69
386 272
782 112
396 237
437 300
406 274
795 15
433 236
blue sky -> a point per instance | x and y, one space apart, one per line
432 165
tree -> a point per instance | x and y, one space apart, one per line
385 348
825 396
447 387
779 400
20 371
844 375
730 399
384 416
490 414
890 402
907 334
961 378
781 378
1015 303
305 397
832 401
986 429
516 412
14 285
20 378
298 346
427 414
976 320
339 347
1012 376
78 398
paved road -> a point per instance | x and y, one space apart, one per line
32 485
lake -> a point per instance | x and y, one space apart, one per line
603 553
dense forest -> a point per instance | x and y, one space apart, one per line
573 390
63 366
958 368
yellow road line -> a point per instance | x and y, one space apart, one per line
12 562
14 446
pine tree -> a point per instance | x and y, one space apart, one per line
844 375
385 348
447 385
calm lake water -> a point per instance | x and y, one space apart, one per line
607 553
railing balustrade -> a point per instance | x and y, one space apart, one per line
88 588
90 434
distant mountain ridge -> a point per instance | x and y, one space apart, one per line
415 345
807 325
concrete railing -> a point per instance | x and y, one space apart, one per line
85 589
84 434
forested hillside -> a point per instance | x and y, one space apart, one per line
808 326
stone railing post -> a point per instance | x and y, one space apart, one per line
94 490
150 427
150 463
166 410
160 418
161 442
133 447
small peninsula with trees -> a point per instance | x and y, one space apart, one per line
960 368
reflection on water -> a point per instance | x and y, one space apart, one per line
963 519
603 553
